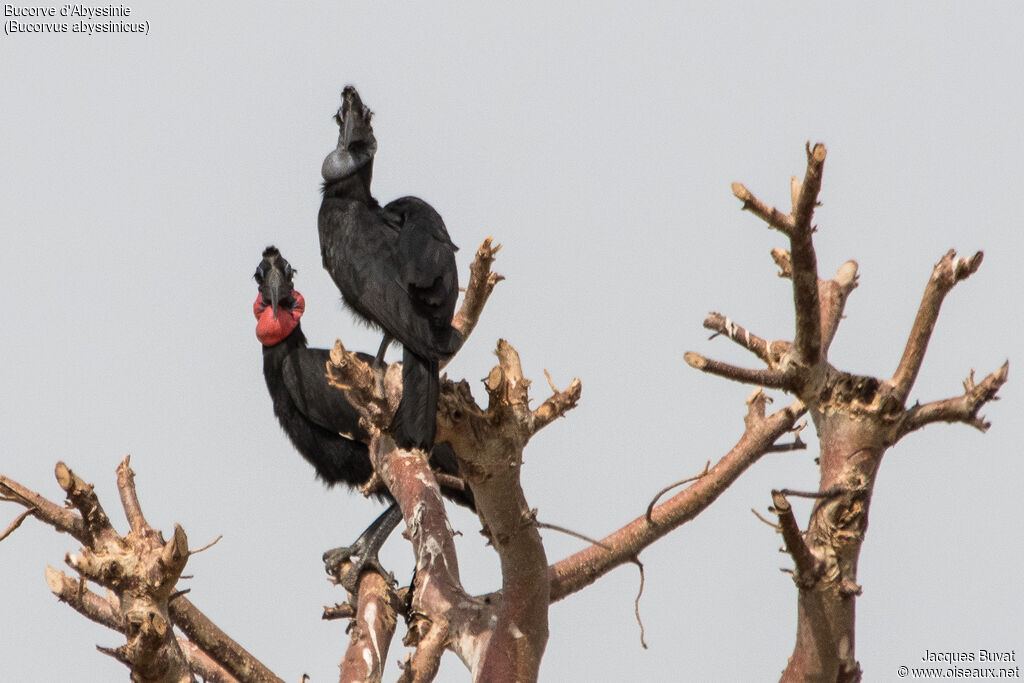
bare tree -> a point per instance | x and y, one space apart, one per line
857 419
501 636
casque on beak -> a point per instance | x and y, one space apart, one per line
348 123
271 289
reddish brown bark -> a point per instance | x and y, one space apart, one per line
499 636
857 419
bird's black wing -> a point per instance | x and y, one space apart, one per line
304 373
425 261
366 252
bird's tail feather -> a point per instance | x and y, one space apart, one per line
415 420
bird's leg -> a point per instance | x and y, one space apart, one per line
363 553
378 360
378 365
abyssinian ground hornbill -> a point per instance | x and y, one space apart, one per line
317 418
395 267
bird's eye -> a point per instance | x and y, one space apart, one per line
259 274
288 269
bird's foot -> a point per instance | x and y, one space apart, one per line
361 558
363 553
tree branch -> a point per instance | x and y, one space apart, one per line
959 409
784 262
558 404
129 499
203 664
107 612
805 197
481 283
583 568
94 521
832 295
770 352
214 642
807 342
84 601
13 526
371 630
438 595
770 215
771 379
946 273
60 518
808 569
430 640
801 265
140 571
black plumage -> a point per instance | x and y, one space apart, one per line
395 268
321 424
312 413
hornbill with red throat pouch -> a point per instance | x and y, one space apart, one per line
318 419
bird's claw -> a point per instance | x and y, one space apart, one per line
335 557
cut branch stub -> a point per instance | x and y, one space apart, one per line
59 517
808 569
832 295
772 379
770 215
807 198
375 400
947 272
506 424
81 495
784 262
481 284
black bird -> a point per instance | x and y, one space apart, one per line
395 267
320 422
312 413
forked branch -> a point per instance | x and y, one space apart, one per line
482 281
140 571
802 262
963 408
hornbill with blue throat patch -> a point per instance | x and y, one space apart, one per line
395 267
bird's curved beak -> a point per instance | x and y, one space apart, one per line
356 143
356 131
271 289
348 127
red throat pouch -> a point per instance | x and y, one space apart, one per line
271 331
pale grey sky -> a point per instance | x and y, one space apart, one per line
141 177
